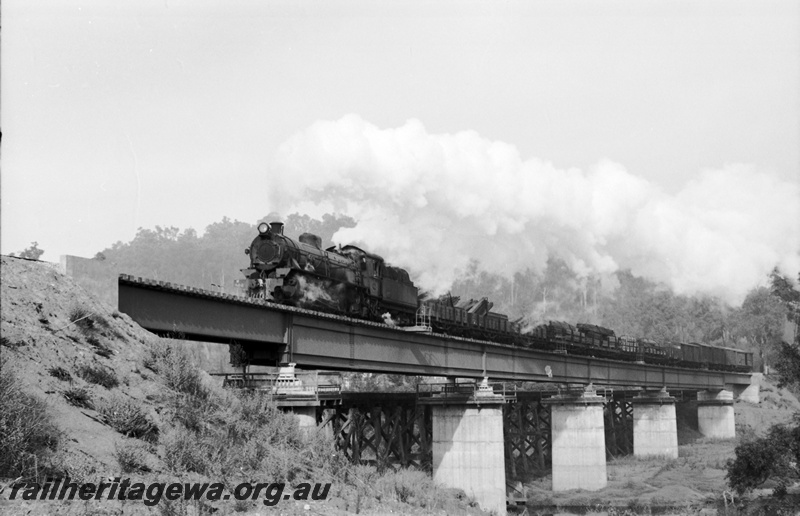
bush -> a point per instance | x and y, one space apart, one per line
60 373
777 456
185 451
99 348
128 418
407 486
79 397
28 433
6 342
175 368
98 375
82 318
129 454
103 351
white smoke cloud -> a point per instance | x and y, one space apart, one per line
433 202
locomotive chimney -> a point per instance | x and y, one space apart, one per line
276 227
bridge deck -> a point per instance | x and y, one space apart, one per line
274 334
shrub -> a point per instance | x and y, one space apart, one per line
407 486
186 451
175 368
82 318
194 413
28 433
103 352
129 455
128 418
98 375
99 348
777 455
6 342
79 397
60 373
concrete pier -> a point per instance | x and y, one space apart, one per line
655 428
468 451
578 441
715 414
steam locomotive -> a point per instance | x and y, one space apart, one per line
345 280
350 281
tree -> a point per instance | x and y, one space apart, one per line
31 253
760 322
788 362
777 455
238 356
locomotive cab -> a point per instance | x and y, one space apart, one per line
391 285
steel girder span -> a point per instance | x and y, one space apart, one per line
273 334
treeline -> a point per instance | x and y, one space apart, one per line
626 303
212 260
636 307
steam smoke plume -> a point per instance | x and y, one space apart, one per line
433 202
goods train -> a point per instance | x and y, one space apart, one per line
350 281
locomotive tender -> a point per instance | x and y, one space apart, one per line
350 281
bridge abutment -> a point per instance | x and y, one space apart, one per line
655 428
468 451
578 441
715 414
749 393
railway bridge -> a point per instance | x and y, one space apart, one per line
467 440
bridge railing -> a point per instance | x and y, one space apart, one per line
312 384
464 391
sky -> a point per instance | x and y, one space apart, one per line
659 136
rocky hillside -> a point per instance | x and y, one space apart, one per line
109 399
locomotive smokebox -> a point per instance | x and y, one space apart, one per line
276 228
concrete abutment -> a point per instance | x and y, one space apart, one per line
749 393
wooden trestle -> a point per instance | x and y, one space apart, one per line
618 415
526 428
387 433
395 431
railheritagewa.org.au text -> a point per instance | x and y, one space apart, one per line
152 493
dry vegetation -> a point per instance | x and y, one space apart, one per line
86 393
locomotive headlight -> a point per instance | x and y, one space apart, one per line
263 228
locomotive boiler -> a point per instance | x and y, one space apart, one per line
345 280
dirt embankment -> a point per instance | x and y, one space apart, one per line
77 354
43 332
